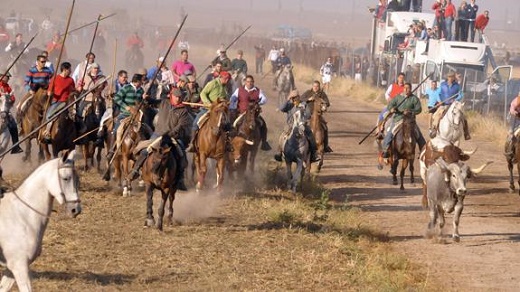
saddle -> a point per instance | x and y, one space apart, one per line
203 120
438 115
124 124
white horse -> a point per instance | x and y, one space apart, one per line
296 149
25 212
5 107
451 126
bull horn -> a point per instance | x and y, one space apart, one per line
469 153
481 168
249 142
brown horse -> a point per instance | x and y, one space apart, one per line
403 148
211 143
32 118
160 172
91 115
246 141
515 159
317 125
125 157
62 132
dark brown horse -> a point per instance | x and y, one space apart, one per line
511 161
211 143
317 127
246 141
403 148
91 116
32 118
62 132
160 172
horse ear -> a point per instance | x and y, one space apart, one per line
68 155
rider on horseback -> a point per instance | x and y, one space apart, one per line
213 91
403 104
240 100
63 86
309 97
393 90
11 123
224 59
293 102
38 77
239 65
282 61
174 121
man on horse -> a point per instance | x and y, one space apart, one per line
16 46
514 111
309 98
282 61
404 104
290 107
213 91
224 60
55 46
84 66
174 120
192 94
217 68
239 103
6 90
393 90
239 65
183 66
63 86
38 77
450 91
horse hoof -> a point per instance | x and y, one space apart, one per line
456 238
379 167
149 223
126 192
401 188
394 182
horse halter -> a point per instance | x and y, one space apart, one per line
65 166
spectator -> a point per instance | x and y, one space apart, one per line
461 24
480 24
450 12
259 59
471 14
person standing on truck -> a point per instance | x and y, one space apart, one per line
480 24
471 14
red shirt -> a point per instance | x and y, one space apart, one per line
134 41
63 87
481 22
4 87
450 10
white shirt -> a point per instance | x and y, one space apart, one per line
273 55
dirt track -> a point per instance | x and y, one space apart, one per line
488 256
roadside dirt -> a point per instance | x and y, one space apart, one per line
488 256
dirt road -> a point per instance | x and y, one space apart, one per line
488 256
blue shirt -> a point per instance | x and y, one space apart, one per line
449 91
434 96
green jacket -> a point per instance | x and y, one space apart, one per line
412 103
128 96
213 91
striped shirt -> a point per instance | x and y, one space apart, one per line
129 95
35 79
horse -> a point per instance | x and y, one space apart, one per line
160 171
283 84
403 148
318 128
511 161
5 107
32 118
63 132
135 133
25 213
91 117
211 143
296 150
451 124
246 141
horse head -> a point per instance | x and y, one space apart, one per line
161 157
456 112
218 115
64 188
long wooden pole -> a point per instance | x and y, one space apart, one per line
82 80
19 56
90 23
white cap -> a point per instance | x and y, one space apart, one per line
282 50
160 59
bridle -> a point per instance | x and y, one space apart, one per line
62 194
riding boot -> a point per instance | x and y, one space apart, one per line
134 174
263 133
183 163
465 126
13 130
191 147
509 150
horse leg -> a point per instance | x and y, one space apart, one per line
149 222
84 147
160 210
393 171
298 174
125 171
511 180
27 154
202 168
404 166
221 164
7 282
412 178
518 171
20 270
289 175
98 158
171 196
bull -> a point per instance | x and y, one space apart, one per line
446 189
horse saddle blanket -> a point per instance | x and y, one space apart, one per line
397 127
125 124
203 120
